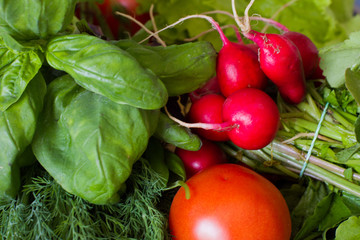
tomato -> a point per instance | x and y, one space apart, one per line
229 202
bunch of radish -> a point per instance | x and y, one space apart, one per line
234 105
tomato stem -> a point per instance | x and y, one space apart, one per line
186 188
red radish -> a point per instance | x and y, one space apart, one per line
308 51
253 47
256 116
208 155
318 73
211 87
208 109
281 61
238 67
251 119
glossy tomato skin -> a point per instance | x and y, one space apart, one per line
229 202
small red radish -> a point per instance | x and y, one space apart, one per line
211 87
238 67
256 116
281 61
308 51
208 109
250 117
208 155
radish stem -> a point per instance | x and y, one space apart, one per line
209 19
142 26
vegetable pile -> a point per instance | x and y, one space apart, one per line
146 120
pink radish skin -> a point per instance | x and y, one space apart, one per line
211 87
308 51
256 116
208 109
238 67
195 161
281 61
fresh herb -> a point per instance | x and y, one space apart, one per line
44 210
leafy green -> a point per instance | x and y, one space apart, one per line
182 68
44 210
26 20
352 82
171 132
336 59
345 154
89 143
323 21
17 128
349 229
19 64
155 155
103 68
341 98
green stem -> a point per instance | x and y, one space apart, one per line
323 175
252 161
290 151
186 188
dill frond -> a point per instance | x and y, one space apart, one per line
44 210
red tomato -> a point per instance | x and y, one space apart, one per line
229 202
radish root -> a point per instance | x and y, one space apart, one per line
155 35
207 126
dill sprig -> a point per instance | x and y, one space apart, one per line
44 210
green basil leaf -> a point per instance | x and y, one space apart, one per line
89 143
19 64
17 128
155 155
33 19
175 165
103 68
183 68
171 132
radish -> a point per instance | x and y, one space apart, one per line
256 116
308 51
250 117
208 109
211 87
279 58
238 67
195 161
281 61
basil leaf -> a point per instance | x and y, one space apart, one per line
183 68
155 155
89 143
19 64
17 128
34 19
103 68
171 132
